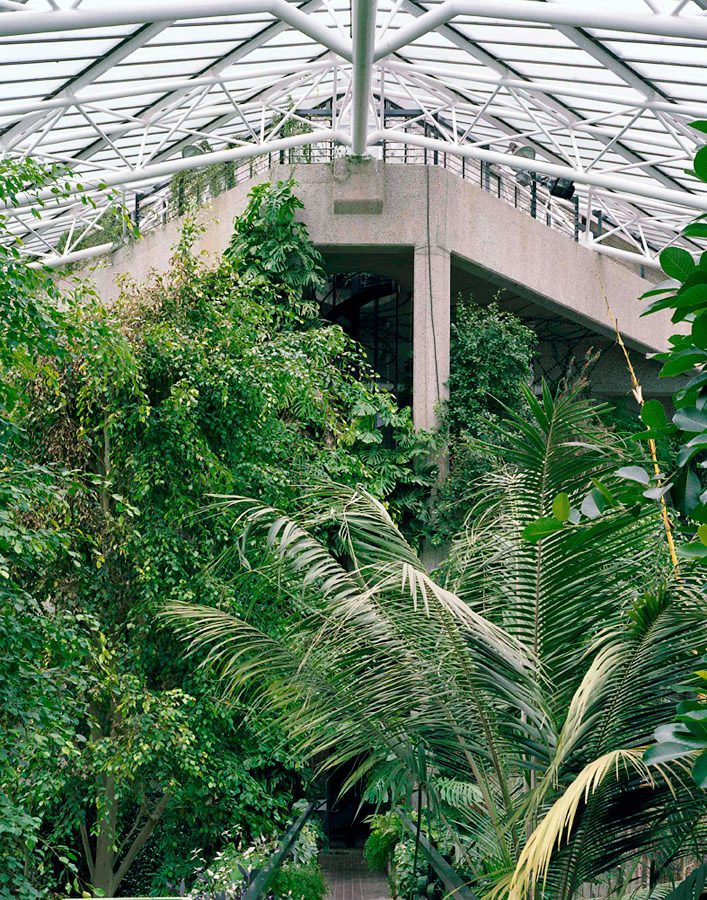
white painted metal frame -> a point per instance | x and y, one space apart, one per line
367 66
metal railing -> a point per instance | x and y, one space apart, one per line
453 883
262 881
157 208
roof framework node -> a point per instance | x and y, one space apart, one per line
602 93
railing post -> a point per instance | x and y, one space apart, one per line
534 197
449 878
257 888
576 218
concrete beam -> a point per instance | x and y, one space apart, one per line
462 221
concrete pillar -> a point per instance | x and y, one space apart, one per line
430 334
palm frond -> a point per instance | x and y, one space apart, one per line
557 595
534 861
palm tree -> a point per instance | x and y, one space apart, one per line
516 691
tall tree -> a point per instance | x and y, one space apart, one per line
198 382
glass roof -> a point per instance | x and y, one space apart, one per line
599 93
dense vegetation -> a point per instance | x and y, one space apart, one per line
118 425
504 704
491 357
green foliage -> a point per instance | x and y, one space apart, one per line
686 737
685 294
195 383
189 188
534 673
269 244
299 882
234 866
491 358
385 833
113 227
29 318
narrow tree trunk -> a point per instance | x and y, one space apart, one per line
104 862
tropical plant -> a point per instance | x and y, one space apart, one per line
118 424
386 831
681 490
268 243
684 293
491 356
533 673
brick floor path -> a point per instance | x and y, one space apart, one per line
348 877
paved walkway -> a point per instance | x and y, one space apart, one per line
348 877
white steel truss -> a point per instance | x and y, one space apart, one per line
129 94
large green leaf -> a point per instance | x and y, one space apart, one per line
691 419
653 414
694 446
561 506
634 473
700 163
699 770
699 330
695 229
541 528
677 263
666 752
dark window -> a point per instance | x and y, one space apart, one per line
377 313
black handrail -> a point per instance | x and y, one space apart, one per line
456 888
257 888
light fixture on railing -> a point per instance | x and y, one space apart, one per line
523 176
562 188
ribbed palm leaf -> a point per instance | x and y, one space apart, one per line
554 596
508 694
387 664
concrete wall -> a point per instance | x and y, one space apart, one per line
368 210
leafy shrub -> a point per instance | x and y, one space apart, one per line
299 882
195 382
386 832
491 357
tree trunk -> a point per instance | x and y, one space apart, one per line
104 862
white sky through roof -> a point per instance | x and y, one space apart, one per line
603 93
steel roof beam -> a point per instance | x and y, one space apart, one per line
563 12
116 14
255 42
128 91
93 71
363 28
156 171
621 184
565 112
59 260
51 220
543 87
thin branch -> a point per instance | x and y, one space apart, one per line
142 837
638 394
87 848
